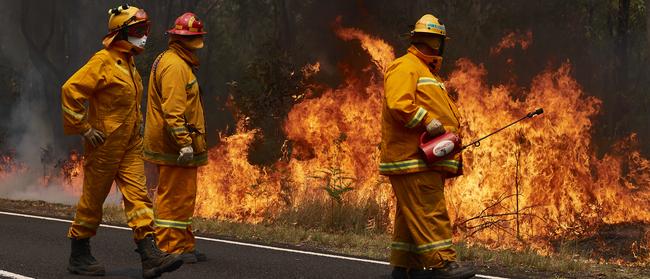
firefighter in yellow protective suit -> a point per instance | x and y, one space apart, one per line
174 137
416 101
110 125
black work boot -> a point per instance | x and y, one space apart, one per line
154 261
81 261
399 273
194 257
451 270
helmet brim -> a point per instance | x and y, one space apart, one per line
109 38
185 32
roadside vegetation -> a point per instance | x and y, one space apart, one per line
350 238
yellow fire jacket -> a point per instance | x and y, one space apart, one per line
413 96
174 110
113 88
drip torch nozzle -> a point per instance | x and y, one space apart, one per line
535 113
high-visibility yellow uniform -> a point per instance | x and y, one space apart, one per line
175 120
113 88
175 200
173 109
414 96
422 233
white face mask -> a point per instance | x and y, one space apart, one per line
138 42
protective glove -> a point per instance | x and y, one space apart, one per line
186 154
94 136
435 128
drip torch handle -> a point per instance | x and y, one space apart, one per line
477 142
535 113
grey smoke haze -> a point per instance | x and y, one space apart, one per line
29 125
29 133
27 186
28 129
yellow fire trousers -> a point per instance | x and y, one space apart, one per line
118 159
174 207
422 235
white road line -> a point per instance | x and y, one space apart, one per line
291 250
489 277
236 243
7 274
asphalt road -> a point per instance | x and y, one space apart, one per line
36 247
39 249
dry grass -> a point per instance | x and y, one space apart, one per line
333 217
114 214
566 263
362 245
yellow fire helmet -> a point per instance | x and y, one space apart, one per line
429 24
428 30
120 17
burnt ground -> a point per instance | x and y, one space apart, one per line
616 238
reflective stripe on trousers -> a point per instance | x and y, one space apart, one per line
174 207
118 159
422 234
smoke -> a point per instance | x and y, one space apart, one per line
36 174
26 186
29 134
26 128
29 130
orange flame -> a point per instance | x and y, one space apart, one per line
71 175
564 190
338 130
9 167
230 187
66 175
380 52
512 40
526 186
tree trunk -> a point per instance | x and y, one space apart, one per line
284 32
621 66
647 22
37 49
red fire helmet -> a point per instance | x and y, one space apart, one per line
187 24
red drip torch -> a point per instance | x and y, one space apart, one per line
448 144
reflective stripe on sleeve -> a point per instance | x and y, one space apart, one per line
179 130
77 116
189 85
417 118
430 81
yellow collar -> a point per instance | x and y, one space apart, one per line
185 54
433 62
